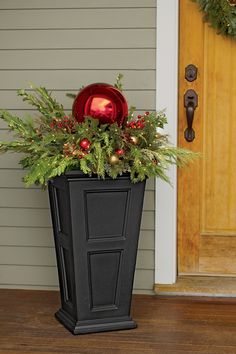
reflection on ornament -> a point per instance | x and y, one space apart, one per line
101 108
134 140
113 159
101 101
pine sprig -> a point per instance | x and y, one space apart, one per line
22 128
43 101
118 83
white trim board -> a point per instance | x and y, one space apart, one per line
166 97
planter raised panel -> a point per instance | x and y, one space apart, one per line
96 229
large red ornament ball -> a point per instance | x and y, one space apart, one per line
101 101
85 144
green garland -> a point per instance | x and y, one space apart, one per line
54 143
221 14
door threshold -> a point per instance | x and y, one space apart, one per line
199 286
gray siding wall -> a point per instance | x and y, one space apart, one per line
63 45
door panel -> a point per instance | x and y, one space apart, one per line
207 190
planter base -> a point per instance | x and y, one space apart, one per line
94 326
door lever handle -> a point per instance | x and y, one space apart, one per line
189 133
190 103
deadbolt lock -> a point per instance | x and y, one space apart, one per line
191 72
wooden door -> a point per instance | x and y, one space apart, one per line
207 190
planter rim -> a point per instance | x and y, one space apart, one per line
79 174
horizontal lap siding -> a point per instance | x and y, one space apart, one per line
26 198
117 59
71 79
36 217
63 45
95 38
77 18
78 4
141 99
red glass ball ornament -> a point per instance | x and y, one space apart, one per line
100 101
85 144
120 152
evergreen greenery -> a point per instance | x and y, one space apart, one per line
221 14
53 143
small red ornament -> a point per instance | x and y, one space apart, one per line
85 144
120 152
100 101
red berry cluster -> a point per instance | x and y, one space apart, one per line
135 125
66 123
139 123
71 150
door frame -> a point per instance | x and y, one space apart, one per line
167 39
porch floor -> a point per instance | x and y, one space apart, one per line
165 325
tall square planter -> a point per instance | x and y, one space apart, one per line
96 227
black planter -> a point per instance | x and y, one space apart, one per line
96 229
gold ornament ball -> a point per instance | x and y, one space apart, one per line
134 140
157 135
113 159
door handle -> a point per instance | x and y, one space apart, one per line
190 103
